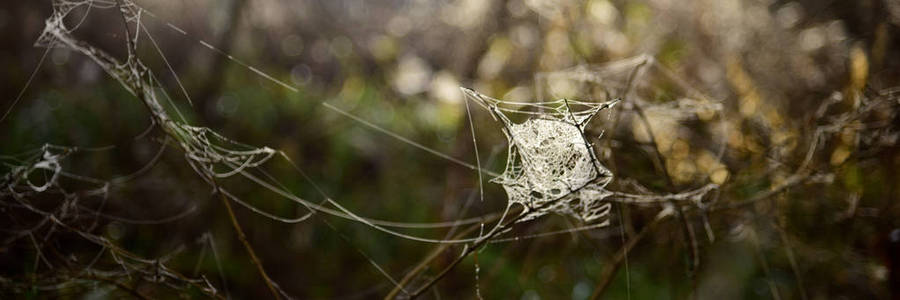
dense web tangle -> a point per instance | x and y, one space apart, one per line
551 166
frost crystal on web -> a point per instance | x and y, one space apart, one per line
551 166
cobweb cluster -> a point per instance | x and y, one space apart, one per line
551 166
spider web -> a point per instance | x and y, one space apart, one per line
551 165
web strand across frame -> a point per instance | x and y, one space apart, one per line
210 154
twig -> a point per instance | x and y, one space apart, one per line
125 253
607 275
695 252
791 181
791 259
243 238
131 290
477 245
765 266
428 259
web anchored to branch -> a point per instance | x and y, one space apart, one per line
552 166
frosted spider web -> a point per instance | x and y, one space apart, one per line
551 165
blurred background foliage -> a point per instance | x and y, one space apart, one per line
770 64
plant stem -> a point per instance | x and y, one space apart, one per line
243 238
608 273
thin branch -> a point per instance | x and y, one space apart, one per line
695 252
131 290
788 250
791 181
608 273
240 232
434 255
